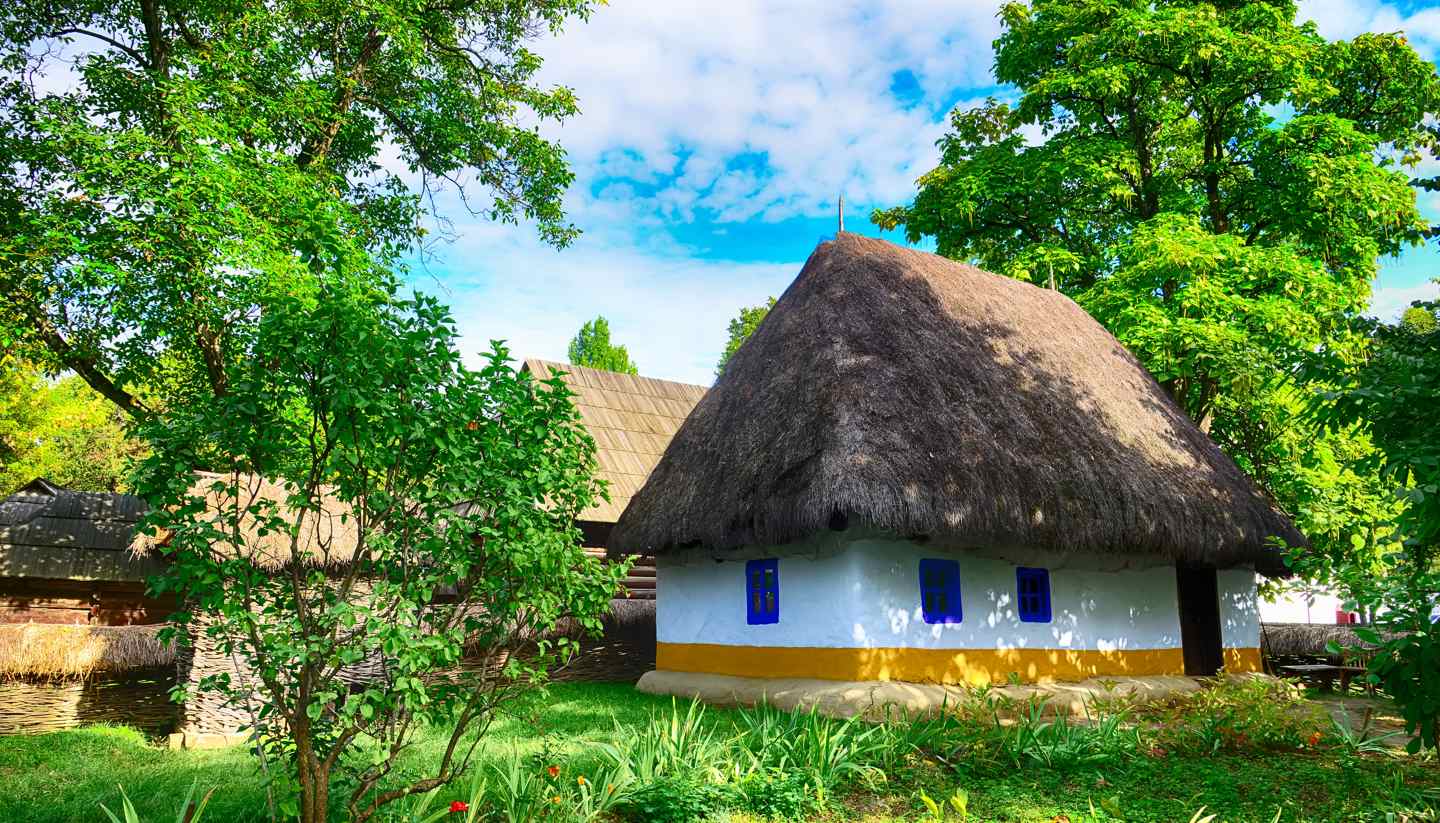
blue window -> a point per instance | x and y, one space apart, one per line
762 591
1032 588
940 591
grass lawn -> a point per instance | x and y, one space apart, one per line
63 776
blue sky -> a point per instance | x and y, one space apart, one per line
713 141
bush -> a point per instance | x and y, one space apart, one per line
782 795
677 799
824 747
1239 715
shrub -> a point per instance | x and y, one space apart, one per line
360 471
824 747
782 795
677 799
1238 715
670 744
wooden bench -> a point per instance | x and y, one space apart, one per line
1324 674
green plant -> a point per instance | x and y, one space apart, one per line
669 744
782 795
1359 740
827 748
190 810
357 410
516 790
1237 715
676 799
602 792
959 801
929 735
1062 744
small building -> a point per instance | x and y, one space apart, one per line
915 470
632 419
79 635
65 558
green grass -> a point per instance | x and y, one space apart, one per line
63 776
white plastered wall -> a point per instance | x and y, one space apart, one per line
864 593
1239 609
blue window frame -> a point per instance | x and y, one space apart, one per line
1032 589
762 591
940 591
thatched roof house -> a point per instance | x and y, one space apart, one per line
904 434
910 393
327 537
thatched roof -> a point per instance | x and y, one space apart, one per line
327 537
57 650
1308 639
632 420
50 532
896 390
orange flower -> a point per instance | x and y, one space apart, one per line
554 771
580 780
555 799
1315 739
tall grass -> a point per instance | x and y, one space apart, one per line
829 749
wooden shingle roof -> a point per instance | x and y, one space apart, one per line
48 531
632 419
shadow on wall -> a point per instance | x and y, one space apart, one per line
957 666
1125 622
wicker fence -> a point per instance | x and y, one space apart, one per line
140 699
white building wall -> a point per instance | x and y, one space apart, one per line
1239 609
1302 605
864 593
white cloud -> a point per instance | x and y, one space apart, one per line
1346 18
804 86
669 309
1388 302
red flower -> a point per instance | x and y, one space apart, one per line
553 770
1315 739
459 806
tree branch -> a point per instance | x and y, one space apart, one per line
319 144
130 51
86 367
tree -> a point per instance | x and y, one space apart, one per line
591 347
741 327
202 158
1394 397
1229 248
423 511
62 431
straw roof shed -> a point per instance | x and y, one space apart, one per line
327 536
901 391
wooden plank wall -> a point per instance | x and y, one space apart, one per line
81 602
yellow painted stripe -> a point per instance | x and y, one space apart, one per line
976 666
1238 661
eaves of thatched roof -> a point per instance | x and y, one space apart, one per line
900 391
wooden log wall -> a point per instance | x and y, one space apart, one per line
83 602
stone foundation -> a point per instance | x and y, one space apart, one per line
873 698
